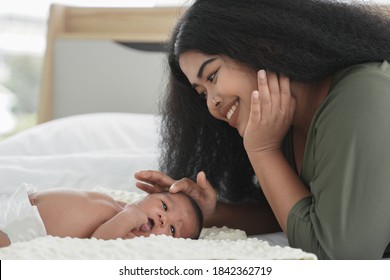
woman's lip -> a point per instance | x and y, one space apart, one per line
227 108
233 119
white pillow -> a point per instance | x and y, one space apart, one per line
84 151
134 133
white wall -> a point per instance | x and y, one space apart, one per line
103 76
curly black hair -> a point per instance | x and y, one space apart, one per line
305 40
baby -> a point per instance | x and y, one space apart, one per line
88 214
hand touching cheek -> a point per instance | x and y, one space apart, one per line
271 113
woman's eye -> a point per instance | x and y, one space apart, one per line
173 231
164 206
212 76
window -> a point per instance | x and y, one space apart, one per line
22 47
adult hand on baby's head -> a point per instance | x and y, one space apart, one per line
152 181
201 191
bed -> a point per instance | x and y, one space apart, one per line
102 151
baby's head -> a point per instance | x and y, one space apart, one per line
177 215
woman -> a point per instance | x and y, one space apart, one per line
295 94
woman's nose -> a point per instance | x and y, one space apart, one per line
213 102
214 105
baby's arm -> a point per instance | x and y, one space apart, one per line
119 226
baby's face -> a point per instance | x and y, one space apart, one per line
168 214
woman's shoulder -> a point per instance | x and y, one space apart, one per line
358 94
371 74
361 83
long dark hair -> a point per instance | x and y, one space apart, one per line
305 40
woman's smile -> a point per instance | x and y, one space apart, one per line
224 80
232 114
232 110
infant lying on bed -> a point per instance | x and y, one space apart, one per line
86 214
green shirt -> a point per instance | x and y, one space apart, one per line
347 168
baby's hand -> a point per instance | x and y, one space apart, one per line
137 214
271 114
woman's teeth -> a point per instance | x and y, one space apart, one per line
232 110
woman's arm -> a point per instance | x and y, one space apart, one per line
252 217
271 114
119 226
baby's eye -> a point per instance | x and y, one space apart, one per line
164 206
173 230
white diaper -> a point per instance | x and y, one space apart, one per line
18 218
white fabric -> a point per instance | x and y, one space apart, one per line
114 132
214 243
19 219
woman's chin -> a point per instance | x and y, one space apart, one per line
241 131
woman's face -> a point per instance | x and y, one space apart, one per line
228 86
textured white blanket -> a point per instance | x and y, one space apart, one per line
214 243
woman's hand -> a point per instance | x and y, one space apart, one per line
271 115
152 181
201 191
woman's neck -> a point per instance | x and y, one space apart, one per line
308 98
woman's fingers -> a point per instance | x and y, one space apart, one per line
152 181
207 195
201 191
264 93
255 112
273 88
285 94
275 92
203 183
150 188
183 185
154 177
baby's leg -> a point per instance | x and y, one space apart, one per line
4 240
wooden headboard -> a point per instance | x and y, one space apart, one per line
137 25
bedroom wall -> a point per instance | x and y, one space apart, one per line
104 76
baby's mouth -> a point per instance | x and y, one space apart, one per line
147 226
